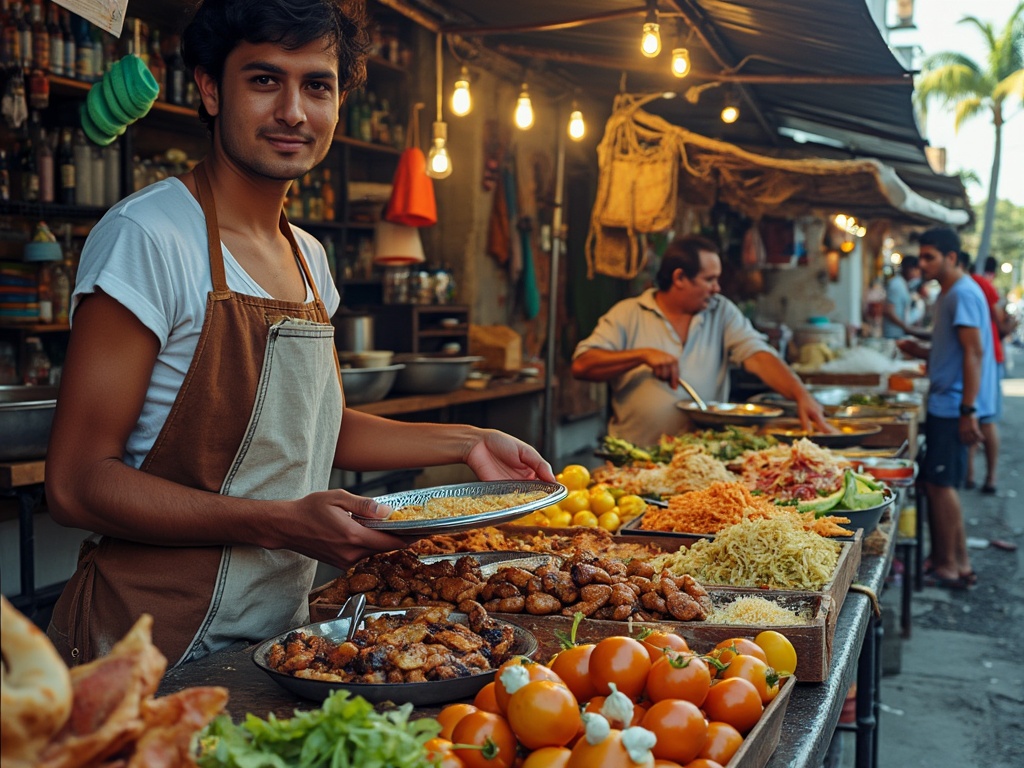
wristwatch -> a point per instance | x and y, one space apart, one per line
967 410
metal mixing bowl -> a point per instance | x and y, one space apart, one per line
432 375
26 413
368 385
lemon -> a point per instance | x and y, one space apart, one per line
562 520
601 501
586 518
576 501
610 521
575 477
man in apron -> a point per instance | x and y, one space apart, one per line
200 412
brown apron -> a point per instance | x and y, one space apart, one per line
257 416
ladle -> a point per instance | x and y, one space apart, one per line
693 393
353 611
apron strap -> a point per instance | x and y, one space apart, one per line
205 194
286 230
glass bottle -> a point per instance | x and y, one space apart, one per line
156 64
10 43
327 192
38 370
5 177
56 36
40 38
25 37
66 168
177 75
70 45
44 162
83 163
61 291
29 173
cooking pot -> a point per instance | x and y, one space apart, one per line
26 413
354 333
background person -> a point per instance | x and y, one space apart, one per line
899 301
684 327
962 388
200 410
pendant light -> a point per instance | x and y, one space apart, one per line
577 128
731 109
681 53
462 102
439 163
650 42
524 110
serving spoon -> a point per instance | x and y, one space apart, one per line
693 393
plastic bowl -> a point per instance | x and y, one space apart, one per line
433 375
368 385
865 518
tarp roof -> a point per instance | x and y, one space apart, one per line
816 68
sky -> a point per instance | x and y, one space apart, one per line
971 148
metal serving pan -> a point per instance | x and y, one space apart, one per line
417 694
720 414
554 493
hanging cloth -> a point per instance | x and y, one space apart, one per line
498 234
412 200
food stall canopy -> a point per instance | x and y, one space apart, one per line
812 77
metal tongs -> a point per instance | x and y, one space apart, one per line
353 611
693 393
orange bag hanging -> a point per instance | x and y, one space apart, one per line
412 195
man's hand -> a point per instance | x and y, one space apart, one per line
970 430
663 365
498 456
812 415
913 348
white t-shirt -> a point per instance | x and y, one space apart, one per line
150 253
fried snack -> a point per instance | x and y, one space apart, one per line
572 541
35 689
459 506
692 468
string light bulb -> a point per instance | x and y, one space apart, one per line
731 110
462 102
439 162
524 110
577 128
680 62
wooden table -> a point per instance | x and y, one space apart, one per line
810 721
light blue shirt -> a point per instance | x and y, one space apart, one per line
644 407
963 305
897 293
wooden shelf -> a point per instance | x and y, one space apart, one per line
394 406
7 325
365 146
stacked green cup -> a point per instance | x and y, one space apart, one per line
125 94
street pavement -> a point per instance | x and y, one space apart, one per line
958 699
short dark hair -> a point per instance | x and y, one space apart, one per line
218 26
965 260
909 263
683 253
990 264
943 239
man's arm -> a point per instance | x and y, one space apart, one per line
970 340
606 364
1005 322
106 374
889 312
780 377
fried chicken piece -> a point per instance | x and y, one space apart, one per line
542 604
520 577
642 568
586 573
696 590
363 582
653 602
560 584
458 638
475 614
452 588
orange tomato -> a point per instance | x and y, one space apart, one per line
439 752
535 670
722 742
726 649
734 701
544 714
679 676
596 703
755 671
606 754
703 762
548 757
680 728
620 660
485 699
573 666
487 730
659 763
450 715
656 641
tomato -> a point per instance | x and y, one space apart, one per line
596 703
490 731
754 671
659 763
703 762
450 715
606 754
722 742
535 671
573 666
623 661
544 714
548 757
575 477
439 752
586 518
734 701
601 501
726 649
576 501
679 676
680 728
485 699
780 653
656 641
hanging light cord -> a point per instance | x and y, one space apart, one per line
437 69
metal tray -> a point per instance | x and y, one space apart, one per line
417 694
848 434
492 562
720 414
555 493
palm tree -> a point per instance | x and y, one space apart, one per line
958 81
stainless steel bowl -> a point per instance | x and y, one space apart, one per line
368 385
720 414
26 413
426 375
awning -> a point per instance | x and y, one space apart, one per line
813 76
